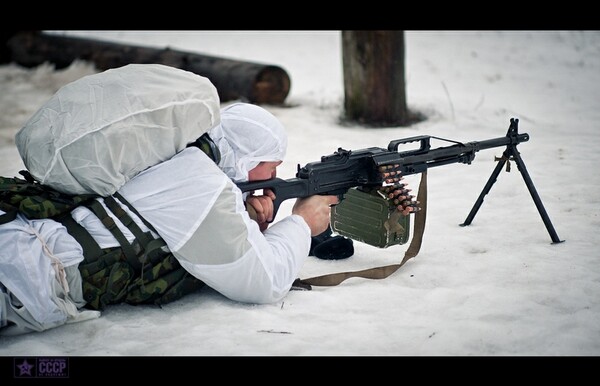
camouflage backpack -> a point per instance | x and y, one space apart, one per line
35 201
141 272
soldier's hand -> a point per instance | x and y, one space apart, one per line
316 211
261 208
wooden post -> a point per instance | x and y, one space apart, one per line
252 82
374 79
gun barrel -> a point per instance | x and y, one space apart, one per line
502 141
418 161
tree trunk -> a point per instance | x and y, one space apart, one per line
253 82
374 80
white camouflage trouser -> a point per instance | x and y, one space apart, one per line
16 320
40 282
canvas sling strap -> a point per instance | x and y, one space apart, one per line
383 271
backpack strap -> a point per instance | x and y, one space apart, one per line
109 223
10 213
143 238
91 249
208 146
149 244
383 271
132 208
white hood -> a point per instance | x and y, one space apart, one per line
247 135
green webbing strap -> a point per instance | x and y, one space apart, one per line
384 271
109 223
113 205
151 245
91 249
207 145
154 249
132 208
9 215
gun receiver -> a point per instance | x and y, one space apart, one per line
344 169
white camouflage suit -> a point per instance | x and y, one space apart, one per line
195 207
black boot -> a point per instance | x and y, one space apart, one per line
324 246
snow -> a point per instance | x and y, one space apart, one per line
499 287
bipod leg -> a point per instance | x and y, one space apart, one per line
536 198
512 154
486 189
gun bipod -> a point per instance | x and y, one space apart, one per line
512 154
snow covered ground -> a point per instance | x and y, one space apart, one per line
498 287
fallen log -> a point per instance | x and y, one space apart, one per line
234 79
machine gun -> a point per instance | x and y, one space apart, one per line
343 170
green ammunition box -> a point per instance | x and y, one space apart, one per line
371 219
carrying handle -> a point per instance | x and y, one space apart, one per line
423 139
